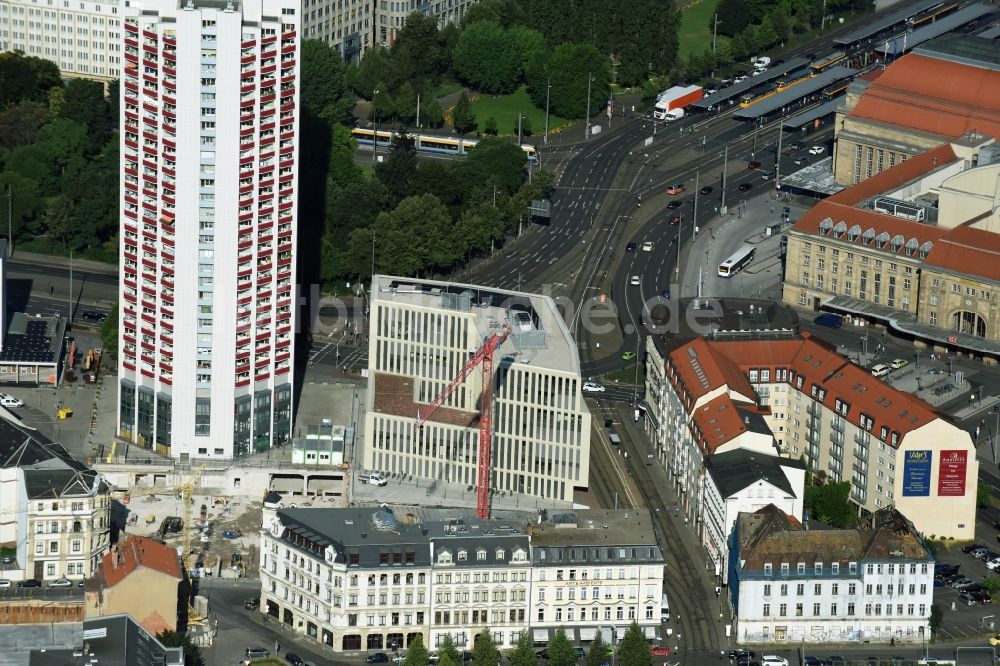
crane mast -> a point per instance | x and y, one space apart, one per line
483 358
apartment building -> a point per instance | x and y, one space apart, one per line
845 424
392 15
209 144
743 481
793 585
81 37
890 116
595 570
422 334
914 248
369 579
54 510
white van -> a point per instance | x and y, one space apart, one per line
880 370
374 479
664 608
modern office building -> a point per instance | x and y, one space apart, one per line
789 584
905 110
422 334
209 152
845 424
82 37
915 248
369 579
54 510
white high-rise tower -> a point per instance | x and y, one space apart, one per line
209 150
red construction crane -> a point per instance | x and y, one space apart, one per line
482 357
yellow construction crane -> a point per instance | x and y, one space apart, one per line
186 491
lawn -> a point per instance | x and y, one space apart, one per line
505 109
696 27
626 375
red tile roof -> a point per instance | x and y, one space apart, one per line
717 422
135 552
700 371
966 249
897 176
816 364
936 96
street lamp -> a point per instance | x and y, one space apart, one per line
10 220
374 135
590 79
548 89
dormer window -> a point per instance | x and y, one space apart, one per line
499 553
481 554
853 568
768 568
444 557
784 568
800 568
462 555
518 556
818 568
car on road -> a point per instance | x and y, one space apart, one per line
257 653
666 293
635 280
813 661
61 582
995 640
630 247
676 188
10 401
739 653
707 189
377 658
647 246
592 387
94 315
744 187
674 221
800 159
661 651
628 356
399 658
773 660
253 603
753 164
794 145
899 363
676 203
293 659
30 582
817 150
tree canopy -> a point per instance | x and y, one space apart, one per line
633 650
830 503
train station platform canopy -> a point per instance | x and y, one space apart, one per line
734 91
903 43
884 23
795 93
818 111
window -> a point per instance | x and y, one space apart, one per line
767 590
767 609
783 610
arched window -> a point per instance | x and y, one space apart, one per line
969 323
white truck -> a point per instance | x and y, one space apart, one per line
664 608
760 63
670 103
372 479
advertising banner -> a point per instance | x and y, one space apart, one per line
951 473
917 474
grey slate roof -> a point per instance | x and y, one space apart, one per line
735 470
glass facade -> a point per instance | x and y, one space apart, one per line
282 415
126 408
262 420
144 423
202 417
241 426
163 412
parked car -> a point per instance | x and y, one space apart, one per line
377 658
10 401
982 596
899 363
253 603
968 548
7 559
968 599
61 582
741 652
4 583
293 659
593 387
30 582
661 651
773 660
257 653
812 661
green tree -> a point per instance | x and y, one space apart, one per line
85 104
505 12
382 105
445 660
416 654
486 57
983 495
324 88
830 504
397 170
490 126
935 618
374 72
416 54
527 43
991 584
523 653
406 104
27 202
599 652
567 67
192 653
19 123
109 331
431 114
26 78
447 650
485 652
560 651
780 22
633 650
734 16
495 161
767 36
463 119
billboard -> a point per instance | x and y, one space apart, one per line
951 473
917 474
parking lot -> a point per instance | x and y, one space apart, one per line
963 617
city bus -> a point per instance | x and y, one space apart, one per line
737 262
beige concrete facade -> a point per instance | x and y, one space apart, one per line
148 595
